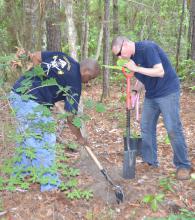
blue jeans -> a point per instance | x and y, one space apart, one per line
169 107
36 143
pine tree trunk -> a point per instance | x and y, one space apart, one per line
53 26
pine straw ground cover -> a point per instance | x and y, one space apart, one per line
164 196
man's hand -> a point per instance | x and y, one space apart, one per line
21 52
131 66
14 64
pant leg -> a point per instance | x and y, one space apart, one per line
39 141
45 149
149 120
170 108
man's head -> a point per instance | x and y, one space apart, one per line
122 47
90 69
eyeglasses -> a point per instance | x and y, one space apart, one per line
119 53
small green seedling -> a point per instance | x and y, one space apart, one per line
153 200
167 184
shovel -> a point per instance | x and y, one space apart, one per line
117 189
129 154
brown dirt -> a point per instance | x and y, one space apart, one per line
105 132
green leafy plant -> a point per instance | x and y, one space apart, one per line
100 107
153 200
78 194
167 140
167 184
119 66
72 146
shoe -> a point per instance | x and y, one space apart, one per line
183 174
144 166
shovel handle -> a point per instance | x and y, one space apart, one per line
94 157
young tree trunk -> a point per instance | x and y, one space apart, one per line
71 30
85 30
72 39
99 41
101 21
115 25
179 35
192 16
106 49
53 26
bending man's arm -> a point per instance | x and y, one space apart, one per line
156 71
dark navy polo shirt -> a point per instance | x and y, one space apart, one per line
65 70
147 54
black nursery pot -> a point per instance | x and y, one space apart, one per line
135 144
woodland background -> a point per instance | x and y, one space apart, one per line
82 29
85 28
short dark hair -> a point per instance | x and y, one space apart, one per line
91 65
117 41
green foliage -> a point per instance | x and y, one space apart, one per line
69 171
100 107
72 146
78 194
187 214
184 215
153 200
77 122
119 66
186 69
72 183
167 140
167 184
89 103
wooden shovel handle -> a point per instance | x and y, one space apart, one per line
94 157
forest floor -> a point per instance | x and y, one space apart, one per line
106 132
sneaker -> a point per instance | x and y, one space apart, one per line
183 174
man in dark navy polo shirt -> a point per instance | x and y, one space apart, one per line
54 77
154 71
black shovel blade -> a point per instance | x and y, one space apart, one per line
129 164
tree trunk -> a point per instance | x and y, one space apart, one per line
179 35
53 26
106 49
192 18
29 24
115 25
71 30
85 30
101 21
99 41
